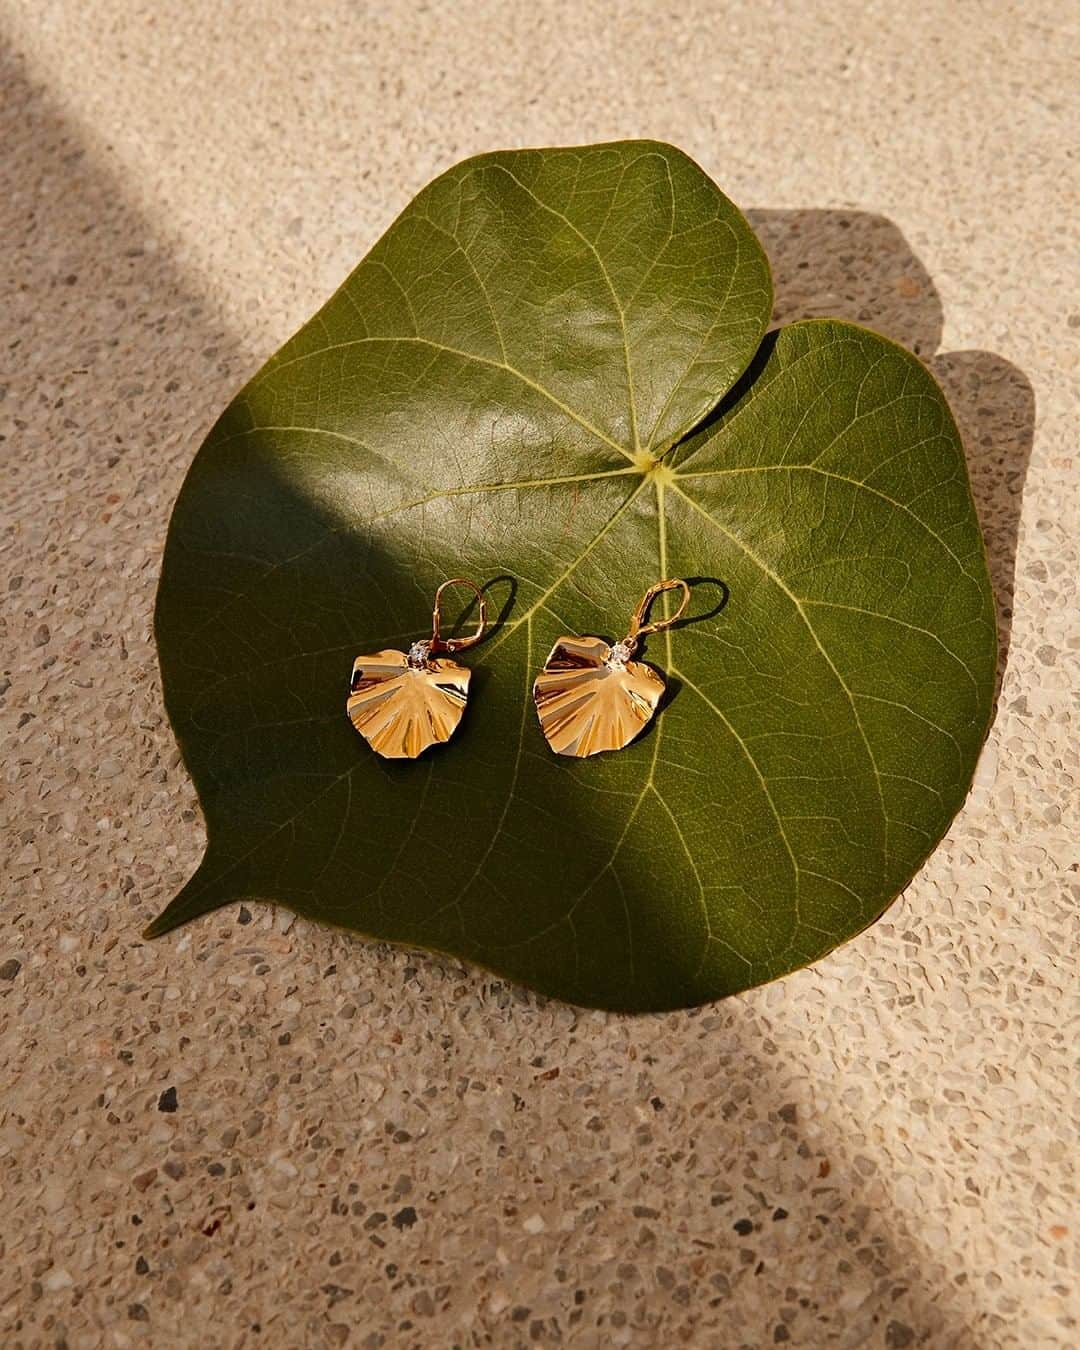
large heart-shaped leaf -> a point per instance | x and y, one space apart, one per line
550 375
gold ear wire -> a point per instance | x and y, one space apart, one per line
404 702
638 626
456 644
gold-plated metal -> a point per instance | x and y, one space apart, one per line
590 696
587 703
457 644
638 626
404 702
401 708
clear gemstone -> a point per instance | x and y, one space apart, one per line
418 655
619 655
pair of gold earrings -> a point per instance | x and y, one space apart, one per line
590 696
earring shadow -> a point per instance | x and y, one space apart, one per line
721 595
672 684
502 584
672 688
466 618
509 583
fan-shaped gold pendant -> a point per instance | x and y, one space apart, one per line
402 704
591 697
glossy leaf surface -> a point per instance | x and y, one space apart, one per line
549 374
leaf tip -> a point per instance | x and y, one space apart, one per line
189 903
159 927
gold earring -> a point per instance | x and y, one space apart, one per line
400 702
591 696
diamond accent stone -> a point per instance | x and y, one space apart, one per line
619 655
418 655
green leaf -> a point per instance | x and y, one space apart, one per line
549 375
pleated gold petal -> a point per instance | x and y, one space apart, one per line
586 705
401 711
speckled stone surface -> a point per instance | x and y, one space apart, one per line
254 1132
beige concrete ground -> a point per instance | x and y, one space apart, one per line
371 1147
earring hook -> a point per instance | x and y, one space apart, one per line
639 628
438 644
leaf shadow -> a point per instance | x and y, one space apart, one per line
734 395
859 266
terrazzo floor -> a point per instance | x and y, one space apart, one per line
255 1132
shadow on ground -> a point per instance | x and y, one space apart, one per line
858 266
